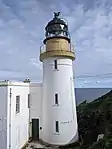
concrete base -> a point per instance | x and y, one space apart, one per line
35 145
24 146
48 145
72 142
38 145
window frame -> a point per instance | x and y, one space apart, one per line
57 126
55 65
56 99
17 104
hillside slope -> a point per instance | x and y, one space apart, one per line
89 94
95 118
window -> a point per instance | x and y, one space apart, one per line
28 100
17 104
55 64
56 98
57 126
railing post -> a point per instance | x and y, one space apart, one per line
72 48
42 49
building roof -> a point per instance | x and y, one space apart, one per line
36 84
13 83
19 83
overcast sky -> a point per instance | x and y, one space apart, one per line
22 25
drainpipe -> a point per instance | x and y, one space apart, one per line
10 119
29 116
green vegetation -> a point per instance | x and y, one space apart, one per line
95 118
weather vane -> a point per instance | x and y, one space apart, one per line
56 14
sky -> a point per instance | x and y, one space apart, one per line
22 24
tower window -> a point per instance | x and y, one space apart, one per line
17 104
56 99
55 64
57 126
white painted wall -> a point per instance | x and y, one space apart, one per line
58 81
20 121
36 104
14 128
3 117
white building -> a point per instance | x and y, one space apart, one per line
47 110
36 102
14 114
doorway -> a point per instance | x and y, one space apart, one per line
35 129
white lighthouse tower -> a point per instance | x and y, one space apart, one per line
59 118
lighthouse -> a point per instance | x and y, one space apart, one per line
59 117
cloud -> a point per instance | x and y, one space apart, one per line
92 36
15 75
22 32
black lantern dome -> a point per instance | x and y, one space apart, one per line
57 27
